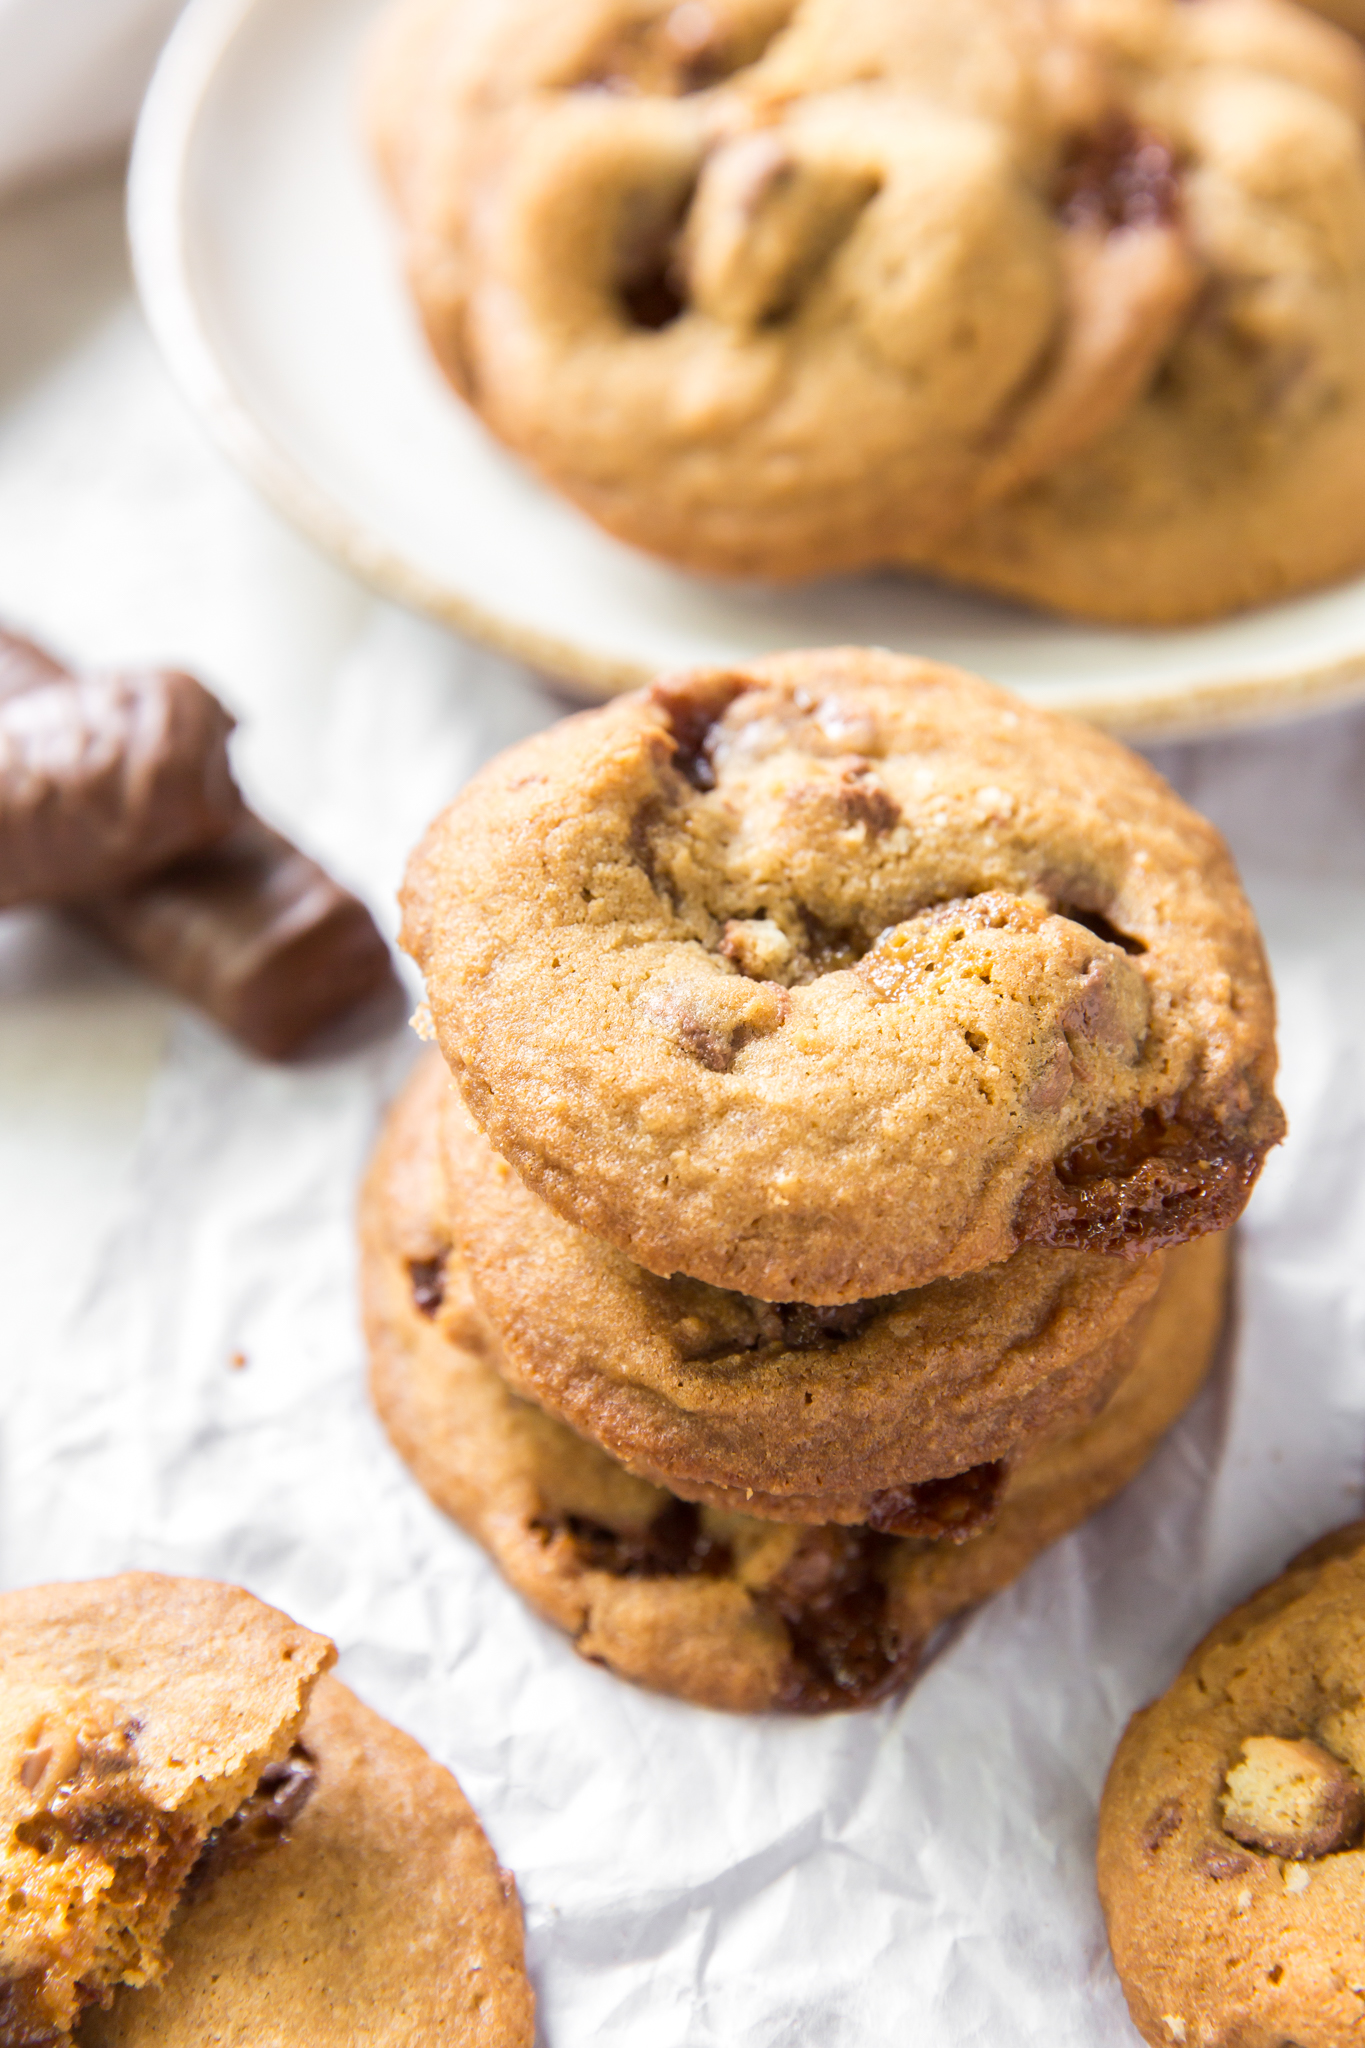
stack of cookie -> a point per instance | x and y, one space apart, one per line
856 1076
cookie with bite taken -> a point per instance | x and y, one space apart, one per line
206 1838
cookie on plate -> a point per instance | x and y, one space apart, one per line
866 1413
713 1605
1061 301
137 1714
382 1920
1231 1864
840 973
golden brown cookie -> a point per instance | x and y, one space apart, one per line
137 1714
1348 14
382 1921
829 1415
715 1606
1060 299
1230 1861
843 973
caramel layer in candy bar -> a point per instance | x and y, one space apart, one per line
253 932
104 778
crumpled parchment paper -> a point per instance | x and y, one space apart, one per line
918 1874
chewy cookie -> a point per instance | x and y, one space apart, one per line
716 1606
207 1839
1230 1859
1059 300
382 1921
843 973
137 1714
856 1414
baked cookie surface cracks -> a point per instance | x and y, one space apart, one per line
845 973
711 1604
1231 1865
1057 297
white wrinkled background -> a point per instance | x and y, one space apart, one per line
918 1874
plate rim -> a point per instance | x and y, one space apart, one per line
158 237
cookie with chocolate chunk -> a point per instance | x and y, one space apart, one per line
380 1920
716 1606
1060 300
1231 1851
137 1714
884 1411
841 973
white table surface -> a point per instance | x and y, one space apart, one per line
918 1874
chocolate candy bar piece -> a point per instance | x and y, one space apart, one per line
256 934
104 778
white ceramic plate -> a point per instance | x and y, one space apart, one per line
270 274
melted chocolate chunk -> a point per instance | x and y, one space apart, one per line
673 1546
1152 1178
863 801
691 705
832 1598
428 1278
1161 1825
1119 176
650 283
938 1509
261 1822
817 1329
1096 922
714 1049
830 948
654 297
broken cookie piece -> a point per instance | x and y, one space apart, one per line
378 1918
137 1715
1294 1799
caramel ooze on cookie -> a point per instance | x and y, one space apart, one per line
712 1017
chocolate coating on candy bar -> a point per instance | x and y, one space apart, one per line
254 933
104 778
